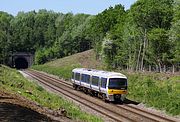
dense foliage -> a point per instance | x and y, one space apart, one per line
145 37
47 34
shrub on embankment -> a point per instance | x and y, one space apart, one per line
12 81
156 90
161 91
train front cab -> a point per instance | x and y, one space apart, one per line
116 89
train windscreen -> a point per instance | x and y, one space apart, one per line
117 83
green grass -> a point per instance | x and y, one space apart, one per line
150 89
63 67
85 59
161 91
156 90
61 72
12 80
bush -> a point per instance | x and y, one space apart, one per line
156 92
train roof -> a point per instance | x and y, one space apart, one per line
100 73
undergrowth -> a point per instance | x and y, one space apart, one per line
156 90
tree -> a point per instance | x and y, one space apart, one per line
108 52
174 35
5 36
23 32
147 15
160 46
108 23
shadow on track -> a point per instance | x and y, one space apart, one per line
126 101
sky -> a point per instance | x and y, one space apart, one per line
64 6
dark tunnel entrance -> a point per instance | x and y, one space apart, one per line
21 63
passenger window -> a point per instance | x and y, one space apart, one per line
103 82
85 78
77 76
95 80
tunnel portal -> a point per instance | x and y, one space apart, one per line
21 60
21 63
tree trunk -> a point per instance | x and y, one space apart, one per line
173 69
164 68
149 68
157 68
160 68
137 65
130 58
144 50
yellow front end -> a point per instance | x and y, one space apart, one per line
116 95
115 91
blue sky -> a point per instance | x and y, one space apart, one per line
75 6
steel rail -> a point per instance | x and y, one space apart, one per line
110 113
134 110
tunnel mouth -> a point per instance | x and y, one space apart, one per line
21 63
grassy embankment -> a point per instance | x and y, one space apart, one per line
62 67
156 90
161 91
12 81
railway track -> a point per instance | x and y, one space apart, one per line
61 88
115 112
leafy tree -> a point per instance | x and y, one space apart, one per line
5 36
108 52
147 15
174 35
23 32
160 46
107 22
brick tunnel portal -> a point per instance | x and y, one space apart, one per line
21 60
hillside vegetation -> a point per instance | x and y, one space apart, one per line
62 67
145 37
12 81
153 89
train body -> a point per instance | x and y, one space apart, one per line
110 86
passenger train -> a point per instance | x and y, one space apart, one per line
110 86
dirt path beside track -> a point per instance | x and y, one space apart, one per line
16 108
